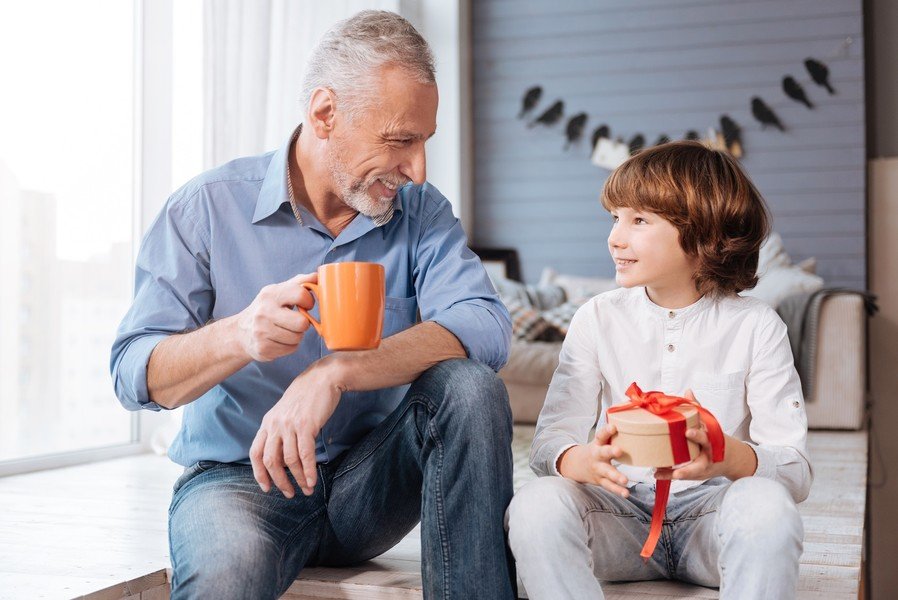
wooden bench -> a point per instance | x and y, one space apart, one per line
831 565
99 531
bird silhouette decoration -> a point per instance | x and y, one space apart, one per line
574 128
550 116
602 131
765 115
531 99
732 135
819 73
794 90
729 136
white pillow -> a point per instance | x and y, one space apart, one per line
577 288
778 283
772 253
778 278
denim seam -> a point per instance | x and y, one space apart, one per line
288 541
441 516
341 472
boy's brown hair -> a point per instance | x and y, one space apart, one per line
705 194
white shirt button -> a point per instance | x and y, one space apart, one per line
671 314
670 348
796 404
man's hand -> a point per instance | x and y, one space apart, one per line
286 439
591 463
739 459
269 328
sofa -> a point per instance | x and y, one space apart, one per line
838 399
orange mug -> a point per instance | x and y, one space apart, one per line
350 297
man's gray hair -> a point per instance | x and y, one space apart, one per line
349 55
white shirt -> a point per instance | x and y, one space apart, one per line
732 353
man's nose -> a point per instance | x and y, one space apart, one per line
415 167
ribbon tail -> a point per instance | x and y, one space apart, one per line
662 492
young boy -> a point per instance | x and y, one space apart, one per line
688 224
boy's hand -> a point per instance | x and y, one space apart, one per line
739 459
591 463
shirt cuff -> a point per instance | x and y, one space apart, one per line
479 330
766 462
553 468
131 374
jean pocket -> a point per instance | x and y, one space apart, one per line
191 472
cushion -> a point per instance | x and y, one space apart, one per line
560 316
778 278
577 288
778 283
528 324
540 297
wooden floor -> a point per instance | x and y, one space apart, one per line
99 531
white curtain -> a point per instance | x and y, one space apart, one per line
254 55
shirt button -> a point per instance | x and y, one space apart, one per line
795 404
671 314
670 347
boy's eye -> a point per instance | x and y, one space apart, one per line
639 220
614 218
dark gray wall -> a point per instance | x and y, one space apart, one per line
665 66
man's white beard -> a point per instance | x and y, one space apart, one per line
354 192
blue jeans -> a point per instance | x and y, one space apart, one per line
744 537
443 458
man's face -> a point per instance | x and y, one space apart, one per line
382 148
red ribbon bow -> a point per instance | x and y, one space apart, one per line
662 405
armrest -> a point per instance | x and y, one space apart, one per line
840 376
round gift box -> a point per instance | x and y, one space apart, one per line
644 437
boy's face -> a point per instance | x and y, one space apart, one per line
646 251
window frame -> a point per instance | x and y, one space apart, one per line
152 98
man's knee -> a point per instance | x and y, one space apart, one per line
465 385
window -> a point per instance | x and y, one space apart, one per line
67 197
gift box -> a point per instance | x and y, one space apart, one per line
652 440
651 431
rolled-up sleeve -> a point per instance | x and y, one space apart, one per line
779 425
454 290
172 294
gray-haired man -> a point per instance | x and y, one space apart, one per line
267 406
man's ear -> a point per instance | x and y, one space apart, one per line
322 109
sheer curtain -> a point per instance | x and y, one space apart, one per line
254 57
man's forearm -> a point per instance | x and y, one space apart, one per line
400 359
183 367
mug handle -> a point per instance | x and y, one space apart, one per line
313 288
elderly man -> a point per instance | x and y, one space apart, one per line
267 409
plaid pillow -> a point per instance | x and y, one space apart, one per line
560 316
526 322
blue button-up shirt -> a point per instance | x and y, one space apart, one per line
228 233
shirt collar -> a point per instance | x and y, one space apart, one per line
674 313
274 187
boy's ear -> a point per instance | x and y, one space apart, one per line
322 110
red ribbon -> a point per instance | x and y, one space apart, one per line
662 405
